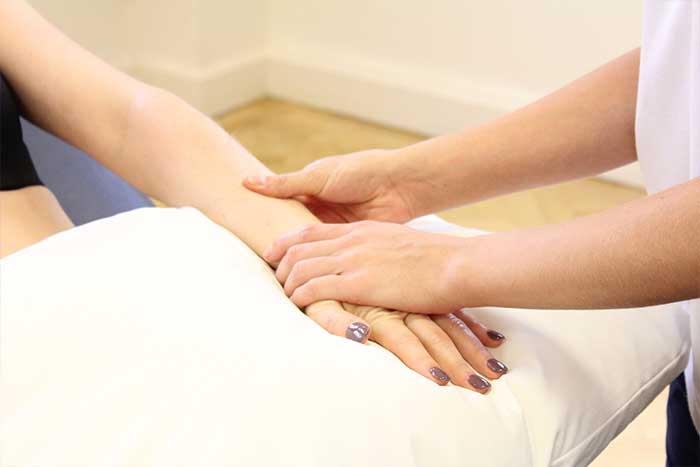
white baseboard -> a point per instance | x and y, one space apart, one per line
417 100
212 90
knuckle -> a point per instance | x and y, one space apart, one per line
411 318
294 252
290 284
357 283
280 274
435 339
352 237
329 320
458 323
301 296
308 290
306 233
300 269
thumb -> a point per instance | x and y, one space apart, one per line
285 185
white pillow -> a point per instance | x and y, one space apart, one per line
157 338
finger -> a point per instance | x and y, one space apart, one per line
332 317
441 347
311 233
488 337
308 269
331 287
470 347
393 335
306 251
304 182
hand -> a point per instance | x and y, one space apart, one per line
371 263
441 348
346 188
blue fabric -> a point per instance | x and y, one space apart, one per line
682 441
86 189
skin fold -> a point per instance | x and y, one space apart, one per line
172 152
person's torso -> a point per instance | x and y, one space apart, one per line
668 121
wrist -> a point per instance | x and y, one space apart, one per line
466 275
421 173
405 176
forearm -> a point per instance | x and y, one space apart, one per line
174 153
580 130
152 139
642 253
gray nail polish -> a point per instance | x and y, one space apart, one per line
478 382
495 335
496 366
357 332
439 375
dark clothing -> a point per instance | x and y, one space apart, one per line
16 167
682 441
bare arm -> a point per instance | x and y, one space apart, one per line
170 151
645 252
151 138
583 129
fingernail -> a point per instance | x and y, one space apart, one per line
357 332
495 335
439 375
478 382
496 366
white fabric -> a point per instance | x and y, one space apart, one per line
156 338
668 122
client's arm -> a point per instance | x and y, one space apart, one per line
172 152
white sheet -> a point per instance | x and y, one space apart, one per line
156 338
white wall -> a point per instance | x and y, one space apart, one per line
429 67
91 23
507 47
211 52
436 66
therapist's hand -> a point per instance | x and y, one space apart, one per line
442 348
371 263
348 188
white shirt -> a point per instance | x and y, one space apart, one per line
668 123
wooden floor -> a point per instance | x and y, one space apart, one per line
287 136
